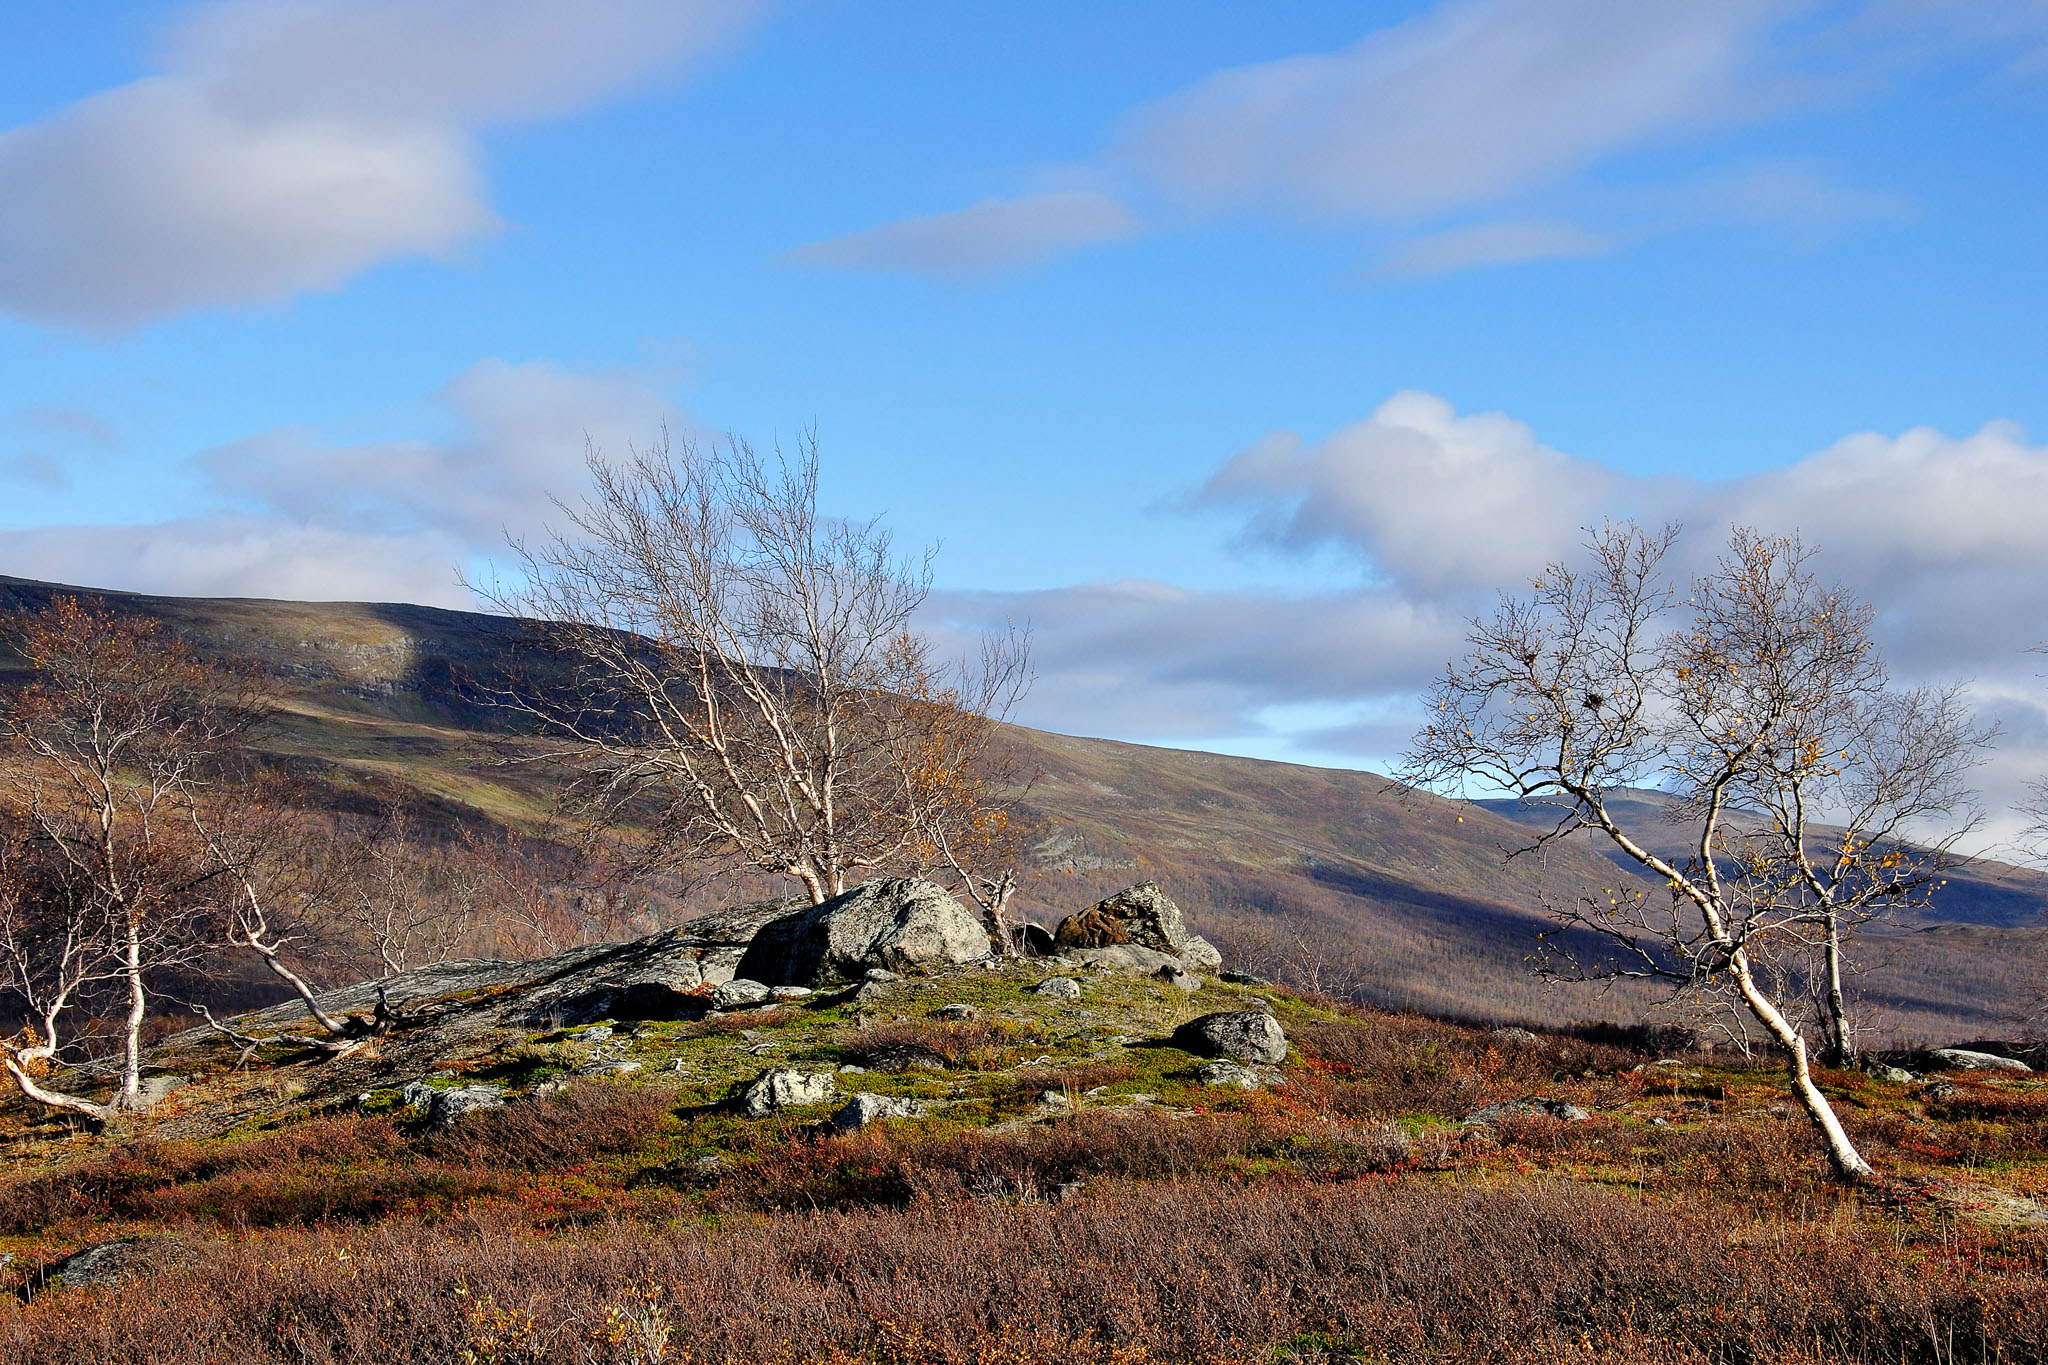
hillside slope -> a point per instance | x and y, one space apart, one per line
1402 898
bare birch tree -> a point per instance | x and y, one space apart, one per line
1764 711
102 750
741 674
56 948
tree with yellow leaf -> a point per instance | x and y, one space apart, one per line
1809 795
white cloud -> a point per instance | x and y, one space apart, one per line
996 234
286 147
396 520
240 556
523 432
1467 104
1435 501
1510 243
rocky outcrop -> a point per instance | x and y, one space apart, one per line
1143 916
898 924
784 1089
1241 1035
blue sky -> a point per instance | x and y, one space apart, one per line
1243 349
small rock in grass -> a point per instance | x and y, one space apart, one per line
1054 1099
108 1262
610 1069
851 1070
789 992
1228 1074
880 974
762 1049
449 1106
1540 1105
1895 1075
955 1012
739 993
1512 1034
784 1089
1241 1035
1058 988
863 1110
596 1033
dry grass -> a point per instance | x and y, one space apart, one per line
1196 1270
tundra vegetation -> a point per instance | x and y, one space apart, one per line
617 1153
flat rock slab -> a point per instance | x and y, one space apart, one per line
1541 1106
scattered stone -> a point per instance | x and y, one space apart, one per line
863 1110
1896 1075
1059 988
880 975
1228 1074
1173 974
1141 915
783 1089
156 1089
1242 1035
597 1034
905 1057
1512 1034
851 1070
1054 1099
1962 1059
868 992
549 1088
609 1069
448 1107
738 994
1937 1091
415 1094
107 1262
955 1012
895 924
789 992
1242 979
762 1049
1540 1105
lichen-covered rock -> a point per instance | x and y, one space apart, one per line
1229 1074
1241 1035
1059 988
110 1262
784 1089
863 1110
1091 929
899 924
1540 1105
739 993
1122 957
1142 915
448 1107
958 1012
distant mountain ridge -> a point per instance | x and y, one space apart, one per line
1328 875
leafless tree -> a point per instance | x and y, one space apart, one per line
406 901
102 751
742 675
55 948
1763 710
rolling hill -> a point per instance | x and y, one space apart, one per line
1400 898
